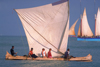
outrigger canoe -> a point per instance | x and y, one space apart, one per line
10 57
47 26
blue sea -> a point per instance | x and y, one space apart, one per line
77 49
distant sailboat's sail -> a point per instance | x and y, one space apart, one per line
72 29
86 31
46 27
97 24
79 31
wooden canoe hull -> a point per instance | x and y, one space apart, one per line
10 57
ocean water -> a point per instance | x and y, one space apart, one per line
77 48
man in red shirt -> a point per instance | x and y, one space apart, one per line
31 53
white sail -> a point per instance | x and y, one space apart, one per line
97 24
46 27
86 31
72 29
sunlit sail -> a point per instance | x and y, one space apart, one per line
72 29
46 27
97 24
84 26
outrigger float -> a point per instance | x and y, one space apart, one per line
87 58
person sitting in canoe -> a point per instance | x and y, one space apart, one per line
67 54
31 54
12 51
43 53
49 53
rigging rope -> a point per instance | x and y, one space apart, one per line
94 19
21 37
80 9
94 6
80 19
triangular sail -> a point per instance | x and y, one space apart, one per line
79 31
46 27
97 24
86 31
72 29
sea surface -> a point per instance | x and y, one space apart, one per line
77 48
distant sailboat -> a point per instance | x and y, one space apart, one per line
97 23
72 29
84 32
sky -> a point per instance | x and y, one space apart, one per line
10 24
